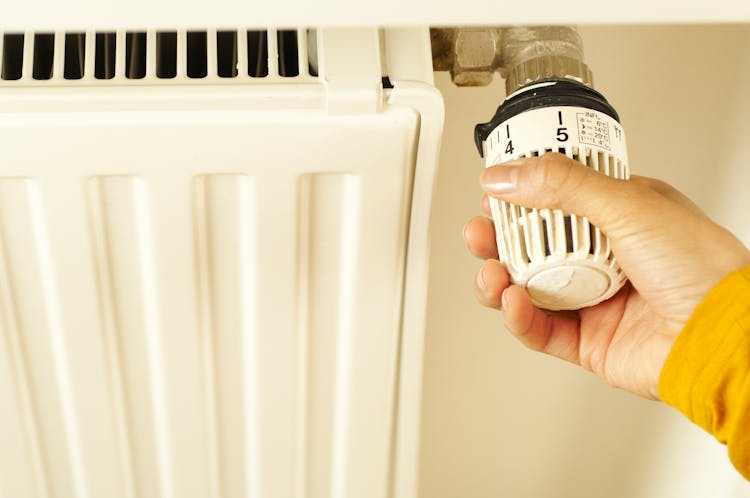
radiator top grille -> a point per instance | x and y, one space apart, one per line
158 56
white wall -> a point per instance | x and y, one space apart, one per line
499 420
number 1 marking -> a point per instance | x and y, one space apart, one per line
507 131
559 117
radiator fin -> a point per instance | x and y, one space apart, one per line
328 239
227 238
131 328
23 467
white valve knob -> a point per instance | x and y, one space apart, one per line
564 261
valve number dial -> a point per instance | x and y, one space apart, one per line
552 128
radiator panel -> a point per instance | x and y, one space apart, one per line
197 306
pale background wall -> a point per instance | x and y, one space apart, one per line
499 420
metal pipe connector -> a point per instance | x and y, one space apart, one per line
471 55
522 55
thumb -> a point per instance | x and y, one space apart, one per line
556 181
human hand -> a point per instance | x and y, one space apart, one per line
672 253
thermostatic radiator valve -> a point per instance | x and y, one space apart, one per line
563 261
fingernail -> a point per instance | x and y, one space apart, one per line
480 279
500 178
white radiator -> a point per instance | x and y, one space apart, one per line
213 280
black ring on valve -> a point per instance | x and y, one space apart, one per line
562 93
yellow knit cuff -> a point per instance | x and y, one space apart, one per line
707 373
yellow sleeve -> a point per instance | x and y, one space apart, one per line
707 373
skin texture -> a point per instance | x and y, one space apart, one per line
672 253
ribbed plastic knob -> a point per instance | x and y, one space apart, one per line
563 260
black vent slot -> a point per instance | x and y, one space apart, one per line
545 230
166 55
523 231
312 48
568 234
44 54
135 55
104 65
226 54
12 57
288 53
72 50
197 66
75 55
257 54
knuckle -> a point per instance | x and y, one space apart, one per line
655 184
652 188
555 171
560 175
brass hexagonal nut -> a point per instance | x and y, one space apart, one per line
475 48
